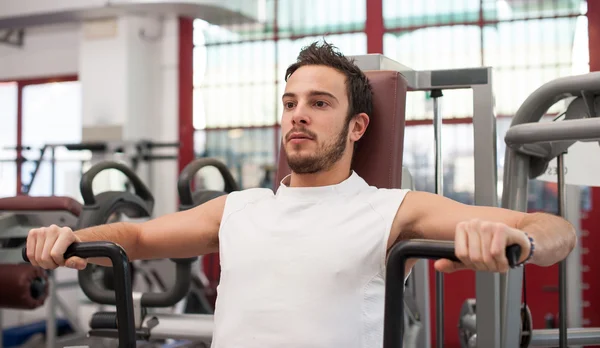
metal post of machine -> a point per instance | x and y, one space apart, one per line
51 311
487 284
53 170
436 94
562 266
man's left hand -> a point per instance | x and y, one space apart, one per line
481 246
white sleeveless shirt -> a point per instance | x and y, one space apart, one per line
304 267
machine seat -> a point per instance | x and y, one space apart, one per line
32 203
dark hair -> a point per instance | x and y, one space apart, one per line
359 91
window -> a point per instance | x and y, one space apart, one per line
316 17
437 48
248 152
527 54
457 158
52 115
8 139
520 9
410 13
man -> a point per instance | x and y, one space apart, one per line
305 266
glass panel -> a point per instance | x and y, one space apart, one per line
436 47
52 115
527 54
519 9
310 17
410 13
234 106
248 152
459 47
240 63
547 42
457 158
8 139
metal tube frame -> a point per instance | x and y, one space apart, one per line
439 189
479 80
517 171
562 266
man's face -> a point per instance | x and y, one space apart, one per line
314 124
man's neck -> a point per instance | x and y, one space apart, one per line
333 176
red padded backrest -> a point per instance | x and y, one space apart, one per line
378 158
32 203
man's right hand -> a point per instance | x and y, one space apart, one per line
46 247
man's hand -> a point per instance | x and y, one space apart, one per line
481 246
47 245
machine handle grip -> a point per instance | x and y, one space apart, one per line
123 287
395 278
184 184
87 192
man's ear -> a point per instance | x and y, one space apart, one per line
358 126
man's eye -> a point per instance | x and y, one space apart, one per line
320 104
289 105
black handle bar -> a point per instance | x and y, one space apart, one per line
123 287
184 186
395 277
87 179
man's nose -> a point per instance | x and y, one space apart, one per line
300 116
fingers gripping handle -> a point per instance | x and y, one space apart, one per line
123 288
395 278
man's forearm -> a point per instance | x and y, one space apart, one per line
122 233
553 236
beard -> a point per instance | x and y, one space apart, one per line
325 156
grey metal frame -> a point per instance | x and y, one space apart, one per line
479 80
523 161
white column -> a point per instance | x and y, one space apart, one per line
128 71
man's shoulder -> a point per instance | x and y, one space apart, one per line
250 194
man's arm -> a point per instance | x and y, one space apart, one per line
482 233
188 233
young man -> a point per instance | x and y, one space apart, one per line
304 266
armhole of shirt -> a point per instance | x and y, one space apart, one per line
238 200
387 204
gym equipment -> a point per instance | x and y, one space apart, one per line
18 215
395 275
97 209
188 198
136 152
200 289
531 145
436 94
126 315
123 299
479 81
23 286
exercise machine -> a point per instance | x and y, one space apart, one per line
198 299
25 287
124 298
134 152
531 145
479 82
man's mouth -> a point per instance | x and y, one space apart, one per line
296 137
